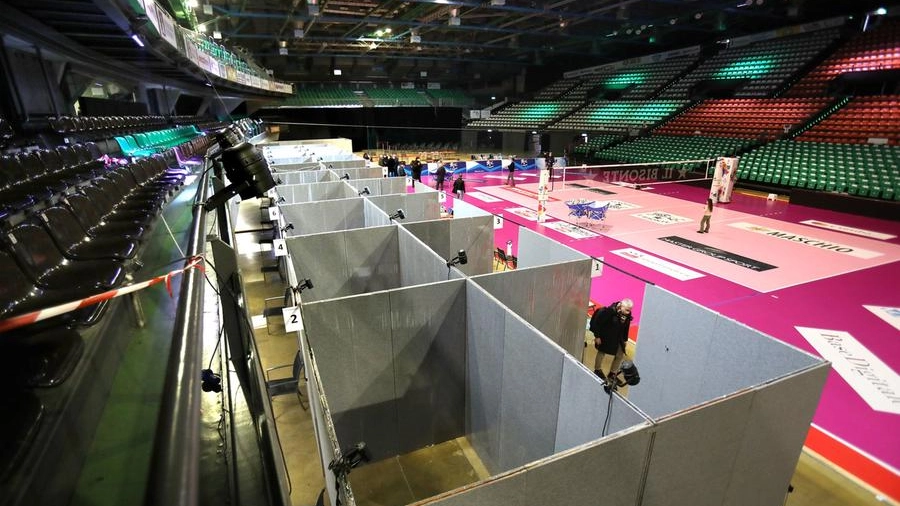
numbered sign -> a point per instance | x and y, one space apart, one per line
596 267
408 181
272 194
442 196
280 247
273 213
292 320
498 221
384 172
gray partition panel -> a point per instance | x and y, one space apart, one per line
694 453
485 330
476 236
583 406
331 190
535 249
419 265
435 235
305 176
741 356
775 431
416 206
529 396
324 216
671 351
373 215
429 346
354 356
506 490
608 473
463 209
309 255
550 297
373 256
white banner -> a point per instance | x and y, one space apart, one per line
658 264
889 314
806 240
866 374
850 230
724 177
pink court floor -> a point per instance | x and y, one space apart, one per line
780 268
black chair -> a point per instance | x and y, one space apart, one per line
20 423
39 258
75 244
282 386
39 359
93 222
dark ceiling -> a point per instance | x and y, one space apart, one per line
454 42
493 37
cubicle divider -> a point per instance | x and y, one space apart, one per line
536 249
305 176
294 193
463 209
550 297
380 185
415 206
475 235
734 403
327 216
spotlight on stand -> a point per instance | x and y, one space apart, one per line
247 171
365 191
289 226
399 215
459 259
629 376
346 176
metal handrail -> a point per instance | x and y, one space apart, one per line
174 469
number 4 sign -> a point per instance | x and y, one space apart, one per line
292 320
280 247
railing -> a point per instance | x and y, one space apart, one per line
174 473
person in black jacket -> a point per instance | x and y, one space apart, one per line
459 187
610 328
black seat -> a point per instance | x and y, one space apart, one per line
75 244
93 222
43 263
42 359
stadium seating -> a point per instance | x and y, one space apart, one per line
859 169
876 49
619 116
397 97
526 115
863 118
743 117
661 148
765 65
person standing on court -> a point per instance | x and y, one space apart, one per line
459 187
439 176
707 214
510 179
610 327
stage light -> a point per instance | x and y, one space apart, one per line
346 176
629 374
365 191
246 169
289 226
137 40
399 215
881 11
459 259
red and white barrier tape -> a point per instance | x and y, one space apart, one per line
50 312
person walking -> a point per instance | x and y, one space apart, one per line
459 187
510 179
439 176
610 327
707 214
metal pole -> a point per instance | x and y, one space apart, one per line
174 473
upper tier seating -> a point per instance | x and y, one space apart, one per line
859 169
596 142
661 148
526 115
743 117
619 116
876 49
397 97
766 64
858 121
323 97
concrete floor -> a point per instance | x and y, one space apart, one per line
426 472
